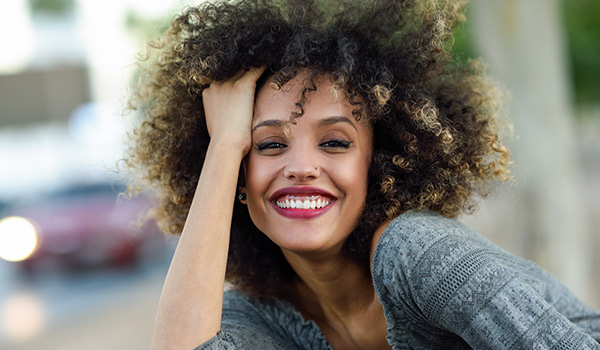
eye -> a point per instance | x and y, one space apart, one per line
337 143
269 145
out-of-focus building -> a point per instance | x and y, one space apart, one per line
48 95
43 72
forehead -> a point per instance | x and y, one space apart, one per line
327 100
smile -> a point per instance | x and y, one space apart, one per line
302 202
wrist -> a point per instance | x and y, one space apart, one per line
228 147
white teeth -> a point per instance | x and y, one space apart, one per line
306 204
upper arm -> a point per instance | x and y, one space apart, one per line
450 278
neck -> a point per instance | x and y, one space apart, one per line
338 295
330 286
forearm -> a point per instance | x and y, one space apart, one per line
189 311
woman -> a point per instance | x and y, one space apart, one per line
314 153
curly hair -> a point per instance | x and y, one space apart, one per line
435 124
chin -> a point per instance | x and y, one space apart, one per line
303 242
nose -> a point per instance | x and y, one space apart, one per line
302 166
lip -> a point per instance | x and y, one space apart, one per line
301 213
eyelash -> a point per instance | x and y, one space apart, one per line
269 145
336 143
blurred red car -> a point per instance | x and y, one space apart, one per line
79 227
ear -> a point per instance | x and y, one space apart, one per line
242 195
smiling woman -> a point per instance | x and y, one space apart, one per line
351 140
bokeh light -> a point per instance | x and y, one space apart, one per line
18 238
22 316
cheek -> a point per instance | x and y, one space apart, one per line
361 180
259 174
361 176
351 175
255 175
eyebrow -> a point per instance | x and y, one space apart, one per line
324 122
336 119
269 122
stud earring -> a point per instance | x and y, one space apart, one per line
242 196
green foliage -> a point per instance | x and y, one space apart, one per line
463 49
582 29
145 28
51 7
581 26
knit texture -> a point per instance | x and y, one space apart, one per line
442 286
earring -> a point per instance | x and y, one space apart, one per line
242 196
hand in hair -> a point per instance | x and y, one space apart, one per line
228 106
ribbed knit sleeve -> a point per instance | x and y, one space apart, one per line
444 286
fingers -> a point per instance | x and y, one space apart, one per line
251 74
229 105
240 73
254 73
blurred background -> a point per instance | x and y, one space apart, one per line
77 269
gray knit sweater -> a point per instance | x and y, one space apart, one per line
442 286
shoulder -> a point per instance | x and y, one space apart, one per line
241 310
419 234
276 322
425 257
426 225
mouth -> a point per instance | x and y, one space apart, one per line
302 202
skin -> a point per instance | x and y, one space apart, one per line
325 149
330 289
